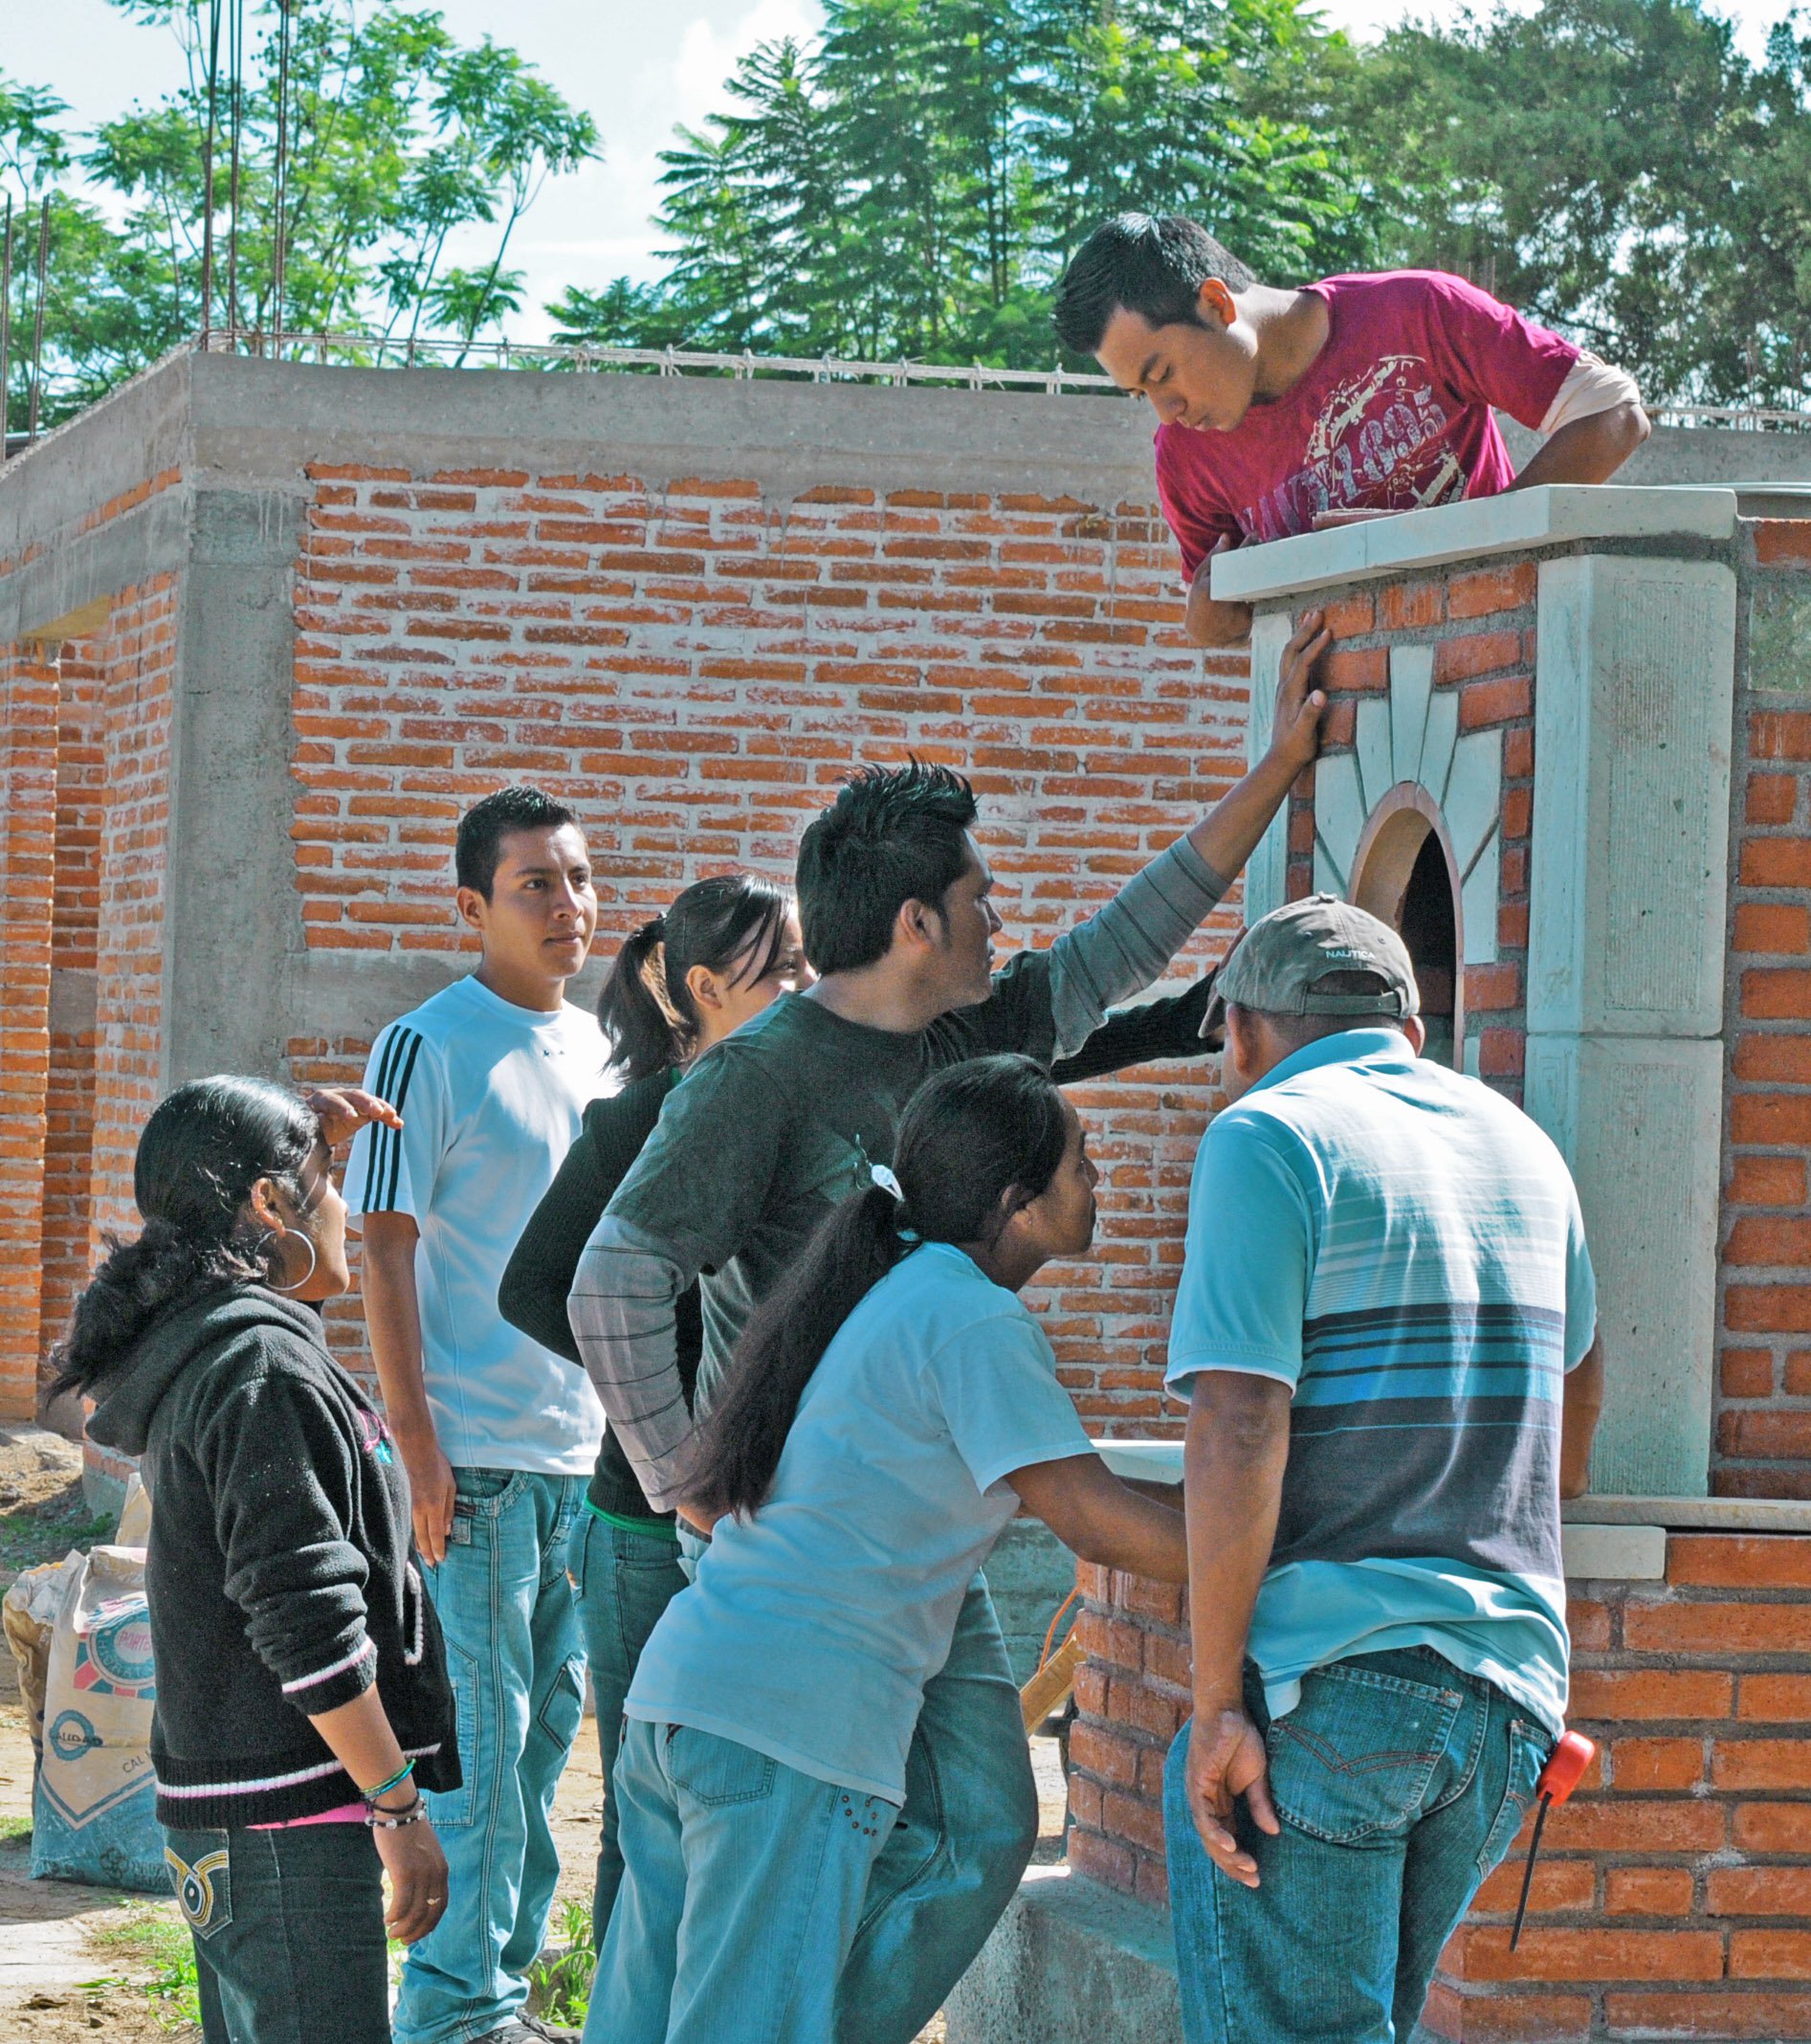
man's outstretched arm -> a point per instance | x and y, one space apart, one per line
1153 1032
1128 942
1229 835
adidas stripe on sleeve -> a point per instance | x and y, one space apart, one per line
392 1170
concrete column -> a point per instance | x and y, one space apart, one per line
233 923
1628 893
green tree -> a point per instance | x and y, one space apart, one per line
1616 166
911 183
397 138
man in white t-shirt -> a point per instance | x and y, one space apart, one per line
499 1434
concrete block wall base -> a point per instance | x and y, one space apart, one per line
1073 1963
1070 1963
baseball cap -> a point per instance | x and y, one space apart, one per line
1278 964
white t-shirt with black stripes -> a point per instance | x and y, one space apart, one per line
491 1097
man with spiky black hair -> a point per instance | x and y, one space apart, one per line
776 1125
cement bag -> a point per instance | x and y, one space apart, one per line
92 1812
28 1617
134 1515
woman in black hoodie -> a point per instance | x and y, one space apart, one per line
303 1701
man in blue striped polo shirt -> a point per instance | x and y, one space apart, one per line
1386 1332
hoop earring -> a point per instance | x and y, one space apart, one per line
307 1274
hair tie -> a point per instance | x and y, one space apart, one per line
887 1182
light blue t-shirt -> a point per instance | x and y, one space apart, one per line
1403 1247
813 1626
492 1098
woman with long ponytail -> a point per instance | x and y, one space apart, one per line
723 953
889 1408
303 1701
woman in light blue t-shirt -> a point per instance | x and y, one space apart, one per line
890 1407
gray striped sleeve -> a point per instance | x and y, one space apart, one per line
621 1308
1125 945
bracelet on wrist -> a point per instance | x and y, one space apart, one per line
399 1819
369 1796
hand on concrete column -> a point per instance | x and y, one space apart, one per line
1296 727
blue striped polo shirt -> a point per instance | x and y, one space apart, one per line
1402 1248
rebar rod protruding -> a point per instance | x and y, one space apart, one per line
38 318
6 322
207 176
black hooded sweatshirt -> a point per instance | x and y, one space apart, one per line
278 1574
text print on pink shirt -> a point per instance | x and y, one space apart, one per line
1382 427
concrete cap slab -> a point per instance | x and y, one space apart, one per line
1559 514
1696 1515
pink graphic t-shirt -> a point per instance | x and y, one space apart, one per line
1392 413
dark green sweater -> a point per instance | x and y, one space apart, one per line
533 1294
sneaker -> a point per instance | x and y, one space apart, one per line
529 2030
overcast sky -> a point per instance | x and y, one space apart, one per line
639 66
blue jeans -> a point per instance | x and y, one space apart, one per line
262 1907
1399 1782
743 1889
517 1674
952 1859
623 1582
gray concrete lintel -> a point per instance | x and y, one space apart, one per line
138 431
78 570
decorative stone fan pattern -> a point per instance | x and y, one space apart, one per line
1412 734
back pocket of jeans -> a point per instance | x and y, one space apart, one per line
1529 1747
203 1884
716 1771
1353 1760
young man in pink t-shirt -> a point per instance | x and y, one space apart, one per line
1356 393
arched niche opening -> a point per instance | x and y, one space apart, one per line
1404 873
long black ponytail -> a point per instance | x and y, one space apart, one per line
971 1136
202 1151
645 1008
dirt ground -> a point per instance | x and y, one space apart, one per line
60 1977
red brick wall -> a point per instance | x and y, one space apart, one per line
1482 629
1672 1891
76 915
699 668
136 654
1763 1424
28 796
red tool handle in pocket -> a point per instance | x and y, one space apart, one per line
1566 1767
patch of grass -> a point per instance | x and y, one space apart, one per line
560 1979
14 1831
46 1532
155 1944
